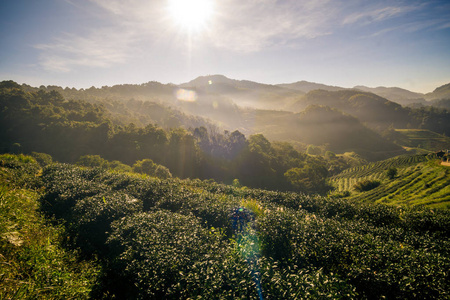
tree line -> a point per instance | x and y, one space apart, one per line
44 122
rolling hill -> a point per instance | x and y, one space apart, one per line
442 92
243 92
420 181
395 94
306 87
122 235
322 125
377 112
422 139
252 107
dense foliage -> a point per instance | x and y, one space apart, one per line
78 131
180 239
33 262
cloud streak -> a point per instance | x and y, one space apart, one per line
101 48
127 28
372 15
250 26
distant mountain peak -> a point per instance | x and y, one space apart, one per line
209 79
443 88
306 86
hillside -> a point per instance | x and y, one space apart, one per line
420 181
34 262
395 94
184 239
375 111
243 92
125 130
214 102
442 92
321 125
306 87
422 139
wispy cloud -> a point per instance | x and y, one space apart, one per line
101 48
404 17
371 14
249 26
123 24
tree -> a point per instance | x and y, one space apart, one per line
145 166
43 159
92 161
309 178
391 173
162 172
366 185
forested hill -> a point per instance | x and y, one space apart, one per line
377 112
144 105
221 99
341 134
395 94
45 122
320 125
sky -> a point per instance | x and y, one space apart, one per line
84 43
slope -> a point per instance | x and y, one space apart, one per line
321 125
306 87
395 94
422 139
377 112
420 181
243 92
184 239
442 92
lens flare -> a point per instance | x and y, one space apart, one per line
186 95
243 222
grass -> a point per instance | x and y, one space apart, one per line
33 263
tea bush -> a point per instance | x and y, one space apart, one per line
156 249
174 239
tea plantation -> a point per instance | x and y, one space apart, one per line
419 180
192 239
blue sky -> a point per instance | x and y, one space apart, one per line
83 43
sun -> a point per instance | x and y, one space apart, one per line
191 15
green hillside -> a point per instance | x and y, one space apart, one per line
322 125
420 180
192 239
422 139
34 264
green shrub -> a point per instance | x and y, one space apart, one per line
155 251
93 161
92 218
173 239
162 172
366 185
43 159
391 173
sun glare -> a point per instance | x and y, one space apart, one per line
191 14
